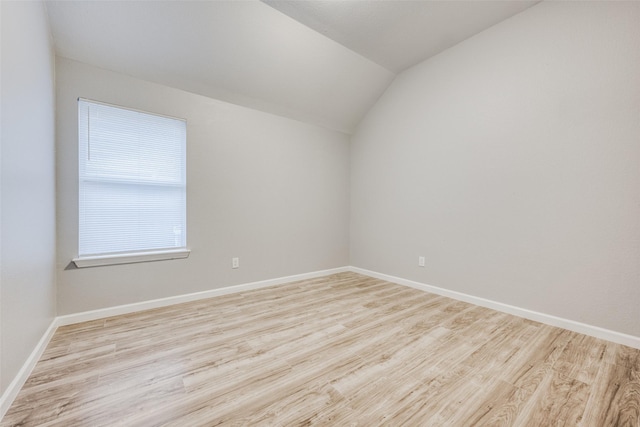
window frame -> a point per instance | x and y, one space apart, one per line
134 256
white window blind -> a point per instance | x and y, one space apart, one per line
132 168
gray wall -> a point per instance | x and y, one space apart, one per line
269 190
27 273
512 163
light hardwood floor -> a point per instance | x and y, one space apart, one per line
342 350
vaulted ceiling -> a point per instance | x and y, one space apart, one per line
321 61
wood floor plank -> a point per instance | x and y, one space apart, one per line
344 349
581 358
615 396
559 401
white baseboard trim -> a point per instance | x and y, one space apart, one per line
85 316
583 328
9 395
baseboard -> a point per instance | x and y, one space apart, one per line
583 328
21 377
85 316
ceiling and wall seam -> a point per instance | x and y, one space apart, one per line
256 55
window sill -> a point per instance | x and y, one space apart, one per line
130 258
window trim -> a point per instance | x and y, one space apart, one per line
130 258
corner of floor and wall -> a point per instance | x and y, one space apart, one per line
508 163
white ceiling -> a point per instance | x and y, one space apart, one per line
328 69
399 34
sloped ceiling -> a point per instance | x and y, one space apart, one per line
399 34
254 54
242 52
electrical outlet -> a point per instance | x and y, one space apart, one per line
420 261
235 262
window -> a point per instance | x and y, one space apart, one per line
132 186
